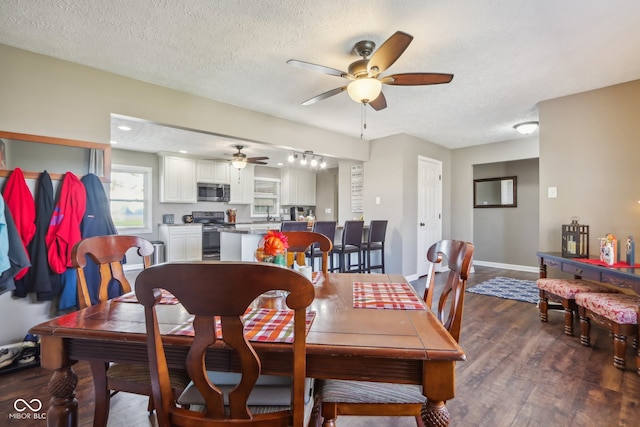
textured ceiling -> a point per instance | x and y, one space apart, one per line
506 55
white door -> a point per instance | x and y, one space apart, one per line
429 208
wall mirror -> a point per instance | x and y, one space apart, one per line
495 192
35 154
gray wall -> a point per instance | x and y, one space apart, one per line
392 174
509 235
589 150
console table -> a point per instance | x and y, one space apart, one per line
621 277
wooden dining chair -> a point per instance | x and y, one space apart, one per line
342 397
301 241
236 286
107 252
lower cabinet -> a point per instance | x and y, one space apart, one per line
182 242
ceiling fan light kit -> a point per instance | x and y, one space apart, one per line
364 89
526 128
240 160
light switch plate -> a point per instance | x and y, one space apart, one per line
552 192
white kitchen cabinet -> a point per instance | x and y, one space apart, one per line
241 185
178 180
212 171
298 187
182 242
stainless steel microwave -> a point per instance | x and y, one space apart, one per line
213 192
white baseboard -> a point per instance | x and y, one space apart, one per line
516 267
130 267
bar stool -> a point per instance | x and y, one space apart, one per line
564 291
327 228
351 244
617 312
375 242
293 226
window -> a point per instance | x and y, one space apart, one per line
266 197
130 198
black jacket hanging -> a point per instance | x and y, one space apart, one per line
40 278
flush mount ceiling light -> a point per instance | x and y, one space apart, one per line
526 128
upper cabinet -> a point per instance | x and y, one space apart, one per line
241 185
212 171
178 180
298 187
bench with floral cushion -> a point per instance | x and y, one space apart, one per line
564 292
619 313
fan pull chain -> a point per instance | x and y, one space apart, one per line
363 120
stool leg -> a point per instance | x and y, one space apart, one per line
619 350
585 328
568 317
543 306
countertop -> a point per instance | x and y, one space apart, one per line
256 230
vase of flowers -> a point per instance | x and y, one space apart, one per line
273 248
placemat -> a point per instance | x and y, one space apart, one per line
260 325
395 296
166 298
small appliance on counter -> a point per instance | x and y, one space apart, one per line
187 219
167 219
296 213
231 214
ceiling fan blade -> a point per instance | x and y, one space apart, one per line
388 53
317 68
256 162
416 79
257 158
324 95
380 103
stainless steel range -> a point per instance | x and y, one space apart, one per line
212 223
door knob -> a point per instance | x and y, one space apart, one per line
422 224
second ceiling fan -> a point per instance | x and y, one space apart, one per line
366 81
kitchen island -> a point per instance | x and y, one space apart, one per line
241 244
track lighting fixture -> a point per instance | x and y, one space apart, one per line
307 158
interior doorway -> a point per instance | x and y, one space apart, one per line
429 209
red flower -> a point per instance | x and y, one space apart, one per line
275 242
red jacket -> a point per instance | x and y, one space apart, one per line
64 228
20 202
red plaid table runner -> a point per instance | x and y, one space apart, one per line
399 296
263 324
166 298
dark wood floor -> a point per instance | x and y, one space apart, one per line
519 372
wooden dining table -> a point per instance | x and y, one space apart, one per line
408 346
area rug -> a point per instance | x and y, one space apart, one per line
505 287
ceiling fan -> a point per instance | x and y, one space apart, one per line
366 82
240 160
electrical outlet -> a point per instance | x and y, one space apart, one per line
327 210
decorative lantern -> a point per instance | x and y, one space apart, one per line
575 240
